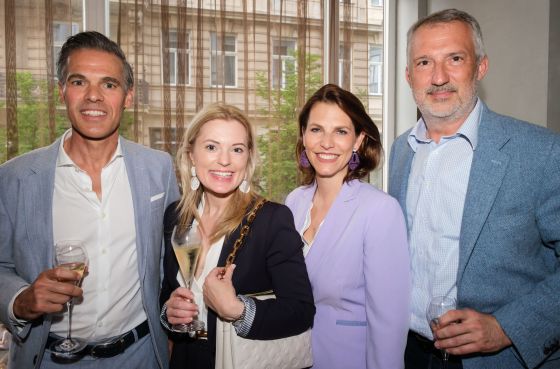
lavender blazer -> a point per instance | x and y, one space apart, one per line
359 271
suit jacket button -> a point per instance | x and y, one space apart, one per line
546 350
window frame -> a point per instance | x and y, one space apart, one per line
377 65
173 78
218 53
283 59
57 45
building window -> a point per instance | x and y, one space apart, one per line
223 61
344 58
283 61
375 70
376 2
157 140
61 32
174 51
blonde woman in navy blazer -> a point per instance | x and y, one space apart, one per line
355 238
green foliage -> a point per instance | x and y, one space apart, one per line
33 113
277 146
126 129
32 116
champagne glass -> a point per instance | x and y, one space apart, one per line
438 306
186 245
70 255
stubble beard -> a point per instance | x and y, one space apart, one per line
459 110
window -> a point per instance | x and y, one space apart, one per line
375 70
174 52
344 58
61 31
376 2
283 61
223 61
157 140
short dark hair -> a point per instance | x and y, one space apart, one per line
95 41
370 150
448 16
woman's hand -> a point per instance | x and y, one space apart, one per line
219 293
180 308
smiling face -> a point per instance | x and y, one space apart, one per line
220 155
329 139
94 93
443 71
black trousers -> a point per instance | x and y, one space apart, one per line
420 353
191 354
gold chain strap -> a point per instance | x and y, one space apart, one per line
244 232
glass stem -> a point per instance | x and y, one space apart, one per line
69 306
445 355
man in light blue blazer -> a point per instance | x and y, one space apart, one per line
481 196
94 186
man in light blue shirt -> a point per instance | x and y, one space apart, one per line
481 196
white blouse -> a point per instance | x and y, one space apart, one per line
210 263
306 225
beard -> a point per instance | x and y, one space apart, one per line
458 106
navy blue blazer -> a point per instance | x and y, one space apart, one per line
270 258
510 237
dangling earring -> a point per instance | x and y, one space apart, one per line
195 183
244 186
303 160
354 160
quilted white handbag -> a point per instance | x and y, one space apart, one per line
234 352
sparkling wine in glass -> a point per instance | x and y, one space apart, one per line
438 306
70 255
186 245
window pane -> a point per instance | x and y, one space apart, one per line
173 67
229 70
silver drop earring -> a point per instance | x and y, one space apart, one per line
195 183
244 186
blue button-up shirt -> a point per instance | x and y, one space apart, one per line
437 187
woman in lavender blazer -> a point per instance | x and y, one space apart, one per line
354 236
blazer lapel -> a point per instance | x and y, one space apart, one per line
402 165
337 219
140 189
487 172
38 200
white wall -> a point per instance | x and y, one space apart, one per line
516 35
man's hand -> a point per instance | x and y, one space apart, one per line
47 294
467 331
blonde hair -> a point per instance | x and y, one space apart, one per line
239 202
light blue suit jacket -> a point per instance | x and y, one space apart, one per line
359 270
510 237
26 236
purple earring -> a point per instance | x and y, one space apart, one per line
303 160
354 160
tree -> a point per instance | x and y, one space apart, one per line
32 116
277 146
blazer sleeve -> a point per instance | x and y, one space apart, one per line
10 282
170 265
532 322
293 309
387 286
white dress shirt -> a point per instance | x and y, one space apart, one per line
111 303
